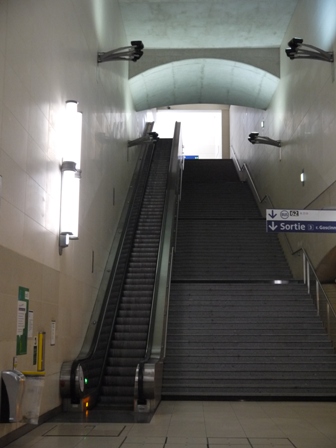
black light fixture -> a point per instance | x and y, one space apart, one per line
254 138
130 53
151 137
298 50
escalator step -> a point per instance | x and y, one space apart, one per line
119 381
117 391
117 344
132 321
127 353
134 329
123 362
120 371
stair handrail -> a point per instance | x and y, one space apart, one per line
307 265
245 169
318 294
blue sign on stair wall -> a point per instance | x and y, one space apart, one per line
304 221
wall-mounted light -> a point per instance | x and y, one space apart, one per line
298 50
254 138
151 137
130 53
71 175
303 177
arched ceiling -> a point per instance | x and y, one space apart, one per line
207 81
201 25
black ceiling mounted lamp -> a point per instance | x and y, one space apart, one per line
130 53
298 50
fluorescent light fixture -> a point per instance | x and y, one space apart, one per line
72 134
303 177
71 175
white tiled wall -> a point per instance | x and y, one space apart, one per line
48 53
303 116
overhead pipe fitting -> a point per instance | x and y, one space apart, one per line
263 140
131 53
298 50
151 137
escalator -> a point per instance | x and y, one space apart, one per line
120 331
129 337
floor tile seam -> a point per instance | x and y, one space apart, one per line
274 422
237 419
302 420
249 440
264 417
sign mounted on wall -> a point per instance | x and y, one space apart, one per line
22 321
304 221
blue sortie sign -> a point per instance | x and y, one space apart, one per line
307 221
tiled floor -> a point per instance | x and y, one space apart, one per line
201 425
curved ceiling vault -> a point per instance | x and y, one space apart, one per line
206 81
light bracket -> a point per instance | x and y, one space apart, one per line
131 53
298 50
254 138
151 137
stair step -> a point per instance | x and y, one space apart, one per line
242 377
250 391
190 352
220 367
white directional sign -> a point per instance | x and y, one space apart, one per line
307 221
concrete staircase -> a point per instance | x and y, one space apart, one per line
233 333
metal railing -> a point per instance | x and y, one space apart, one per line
244 169
322 303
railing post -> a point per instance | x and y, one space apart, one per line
304 268
308 277
317 298
328 320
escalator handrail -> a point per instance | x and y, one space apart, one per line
174 180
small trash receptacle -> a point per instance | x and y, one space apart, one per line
32 396
12 389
